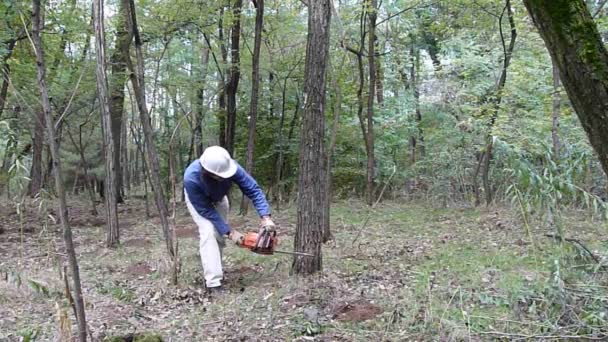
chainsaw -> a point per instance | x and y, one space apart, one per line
265 242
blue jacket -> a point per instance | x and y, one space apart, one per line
204 192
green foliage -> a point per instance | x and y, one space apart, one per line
547 186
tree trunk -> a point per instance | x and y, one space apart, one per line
370 100
555 114
137 80
6 71
311 179
419 144
37 146
113 234
37 24
80 148
235 75
573 40
379 82
255 85
330 153
117 88
497 99
362 123
200 104
124 153
221 117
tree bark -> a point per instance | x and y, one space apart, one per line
35 183
113 232
255 85
311 180
117 89
555 114
37 24
235 75
6 71
137 81
370 100
573 40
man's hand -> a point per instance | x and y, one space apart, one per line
266 233
267 223
236 237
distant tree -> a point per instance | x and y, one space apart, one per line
137 81
37 24
311 180
234 75
118 62
255 79
113 233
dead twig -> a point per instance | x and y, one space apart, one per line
580 244
543 337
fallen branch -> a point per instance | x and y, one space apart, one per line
580 244
543 337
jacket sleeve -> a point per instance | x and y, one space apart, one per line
201 203
252 190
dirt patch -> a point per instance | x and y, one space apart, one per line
357 311
139 269
137 242
186 232
241 277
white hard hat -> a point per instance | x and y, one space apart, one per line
216 160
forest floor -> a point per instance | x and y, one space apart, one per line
414 272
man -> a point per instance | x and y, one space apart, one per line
206 183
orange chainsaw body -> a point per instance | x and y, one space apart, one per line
251 240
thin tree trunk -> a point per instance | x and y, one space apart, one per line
35 184
222 93
200 104
37 24
370 100
508 53
124 147
255 79
311 180
6 71
85 167
235 75
137 80
362 123
117 89
292 125
330 153
279 159
379 82
113 232
414 76
556 113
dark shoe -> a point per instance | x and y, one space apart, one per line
216 291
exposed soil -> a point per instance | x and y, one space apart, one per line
356 311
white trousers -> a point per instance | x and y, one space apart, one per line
211 243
